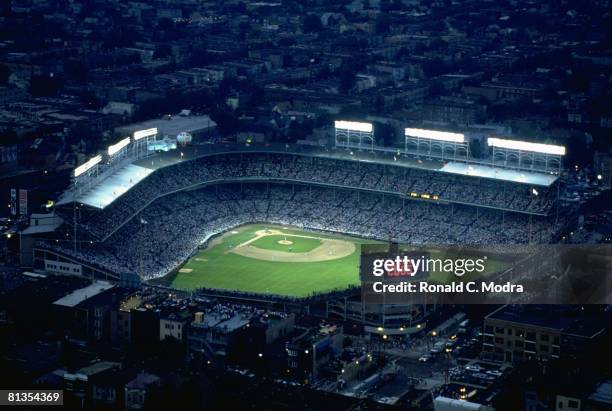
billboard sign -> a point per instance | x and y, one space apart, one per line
23 201
13 203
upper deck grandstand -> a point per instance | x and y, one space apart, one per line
406 196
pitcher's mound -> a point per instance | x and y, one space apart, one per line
285 242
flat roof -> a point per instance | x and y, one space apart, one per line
111 188
603 393
43 228
78 296
566 319
500 174
172 127
237 321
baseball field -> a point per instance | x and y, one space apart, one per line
271 259
278 260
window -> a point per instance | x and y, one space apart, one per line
572 404
509 331
499 330
543 348
530 336
489 329
499 340
544 337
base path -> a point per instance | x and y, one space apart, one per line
329 249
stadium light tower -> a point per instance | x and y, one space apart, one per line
116 148
91 163
435 143
85 173
525 154
141 140
352 134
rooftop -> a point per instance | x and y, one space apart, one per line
500 174
570 320
78 296
603 393
110 188
143 381
170 127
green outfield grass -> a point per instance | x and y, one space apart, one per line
216 267
300 244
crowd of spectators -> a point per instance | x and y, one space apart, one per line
351 174
169 230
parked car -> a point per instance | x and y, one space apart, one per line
425 357
474 367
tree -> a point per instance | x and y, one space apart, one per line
162 51
8 137
435 67
384 133
165 24
227 123
383 24
347 78
45 85
312 24
76 69
5 73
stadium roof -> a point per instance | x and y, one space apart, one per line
105 189
108 189
78 296
502 174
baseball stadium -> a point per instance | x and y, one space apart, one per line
289 220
